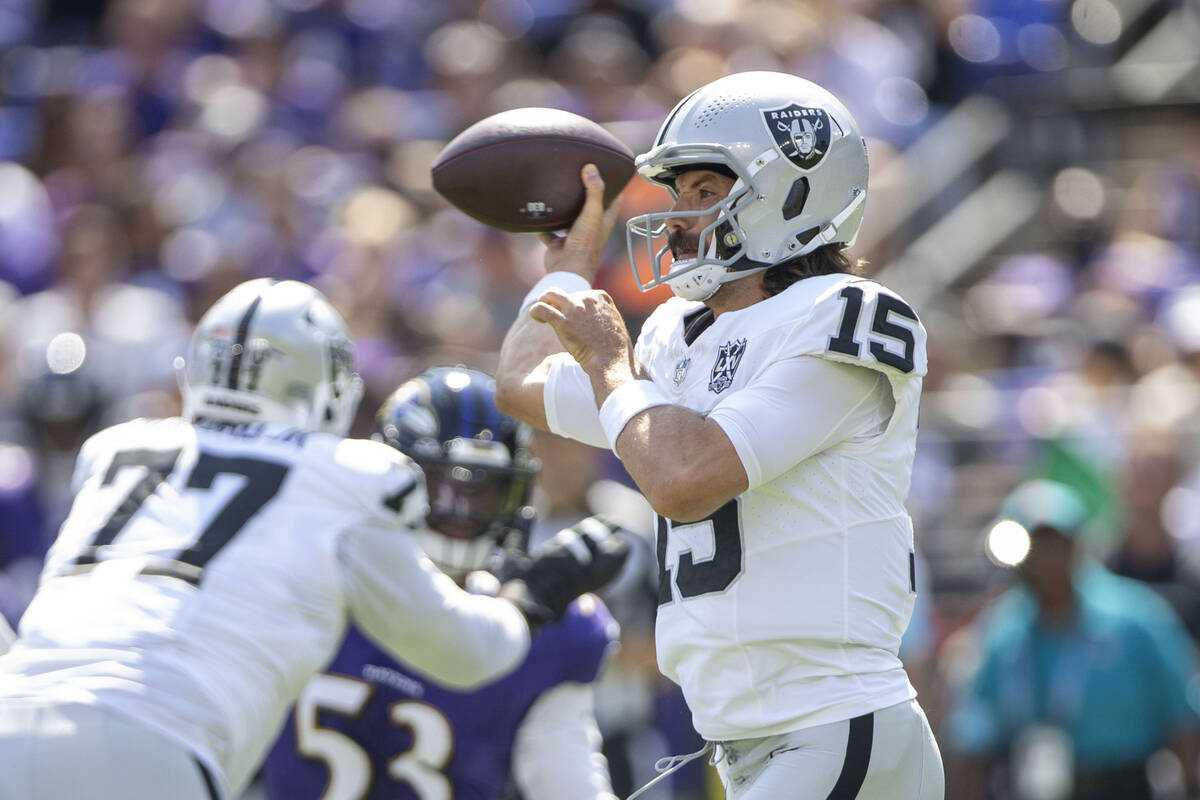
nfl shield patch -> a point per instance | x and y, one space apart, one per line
681 368
728 358
802 134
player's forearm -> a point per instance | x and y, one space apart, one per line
682 462
420 616
521 374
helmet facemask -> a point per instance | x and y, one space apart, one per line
479 469
721 251
473 504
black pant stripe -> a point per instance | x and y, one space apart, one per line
858 758
209 783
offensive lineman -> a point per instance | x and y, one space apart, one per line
209 564
371 727
768 413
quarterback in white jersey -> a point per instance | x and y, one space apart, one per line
209 565
769 415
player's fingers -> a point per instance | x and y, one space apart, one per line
586 232
544 312
556 298
550 239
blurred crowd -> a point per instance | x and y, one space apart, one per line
1036 196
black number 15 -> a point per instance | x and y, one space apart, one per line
263 479
882 325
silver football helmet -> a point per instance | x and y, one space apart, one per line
272 351
800 166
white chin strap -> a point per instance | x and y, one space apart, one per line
703 282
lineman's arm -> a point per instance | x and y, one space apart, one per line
557 749
396 594
521 374
7 637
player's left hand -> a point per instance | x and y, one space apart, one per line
588 326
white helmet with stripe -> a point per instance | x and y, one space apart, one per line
272 351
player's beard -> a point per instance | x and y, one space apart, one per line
681 242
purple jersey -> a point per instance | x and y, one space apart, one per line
413 739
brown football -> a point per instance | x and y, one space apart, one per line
519 170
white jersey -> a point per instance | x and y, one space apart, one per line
205 572
784 609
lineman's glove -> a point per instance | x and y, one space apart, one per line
578 559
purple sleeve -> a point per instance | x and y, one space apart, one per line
582 641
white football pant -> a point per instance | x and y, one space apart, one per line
887 755
52 751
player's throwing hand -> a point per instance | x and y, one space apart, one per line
580 250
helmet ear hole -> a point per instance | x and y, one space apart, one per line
793 206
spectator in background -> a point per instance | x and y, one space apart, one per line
1148 551
1083 675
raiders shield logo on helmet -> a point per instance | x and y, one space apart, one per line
802 134
728 357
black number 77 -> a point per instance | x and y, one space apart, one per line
885 305
263 479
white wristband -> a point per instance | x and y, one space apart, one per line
561 280
626 402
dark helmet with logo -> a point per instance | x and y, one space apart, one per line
477 462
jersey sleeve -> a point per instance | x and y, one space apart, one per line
570 403
586 637
797 408
89 453
860 322
557 748
420 616
387 483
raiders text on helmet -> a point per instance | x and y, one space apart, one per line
800 165
272 351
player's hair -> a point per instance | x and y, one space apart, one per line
827 260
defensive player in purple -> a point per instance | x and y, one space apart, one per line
370 727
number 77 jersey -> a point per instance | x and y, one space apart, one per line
784 608
199 581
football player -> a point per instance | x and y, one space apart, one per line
769 413
374 727
209 564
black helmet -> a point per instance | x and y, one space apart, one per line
477 462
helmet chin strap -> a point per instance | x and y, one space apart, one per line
829 230
704 281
